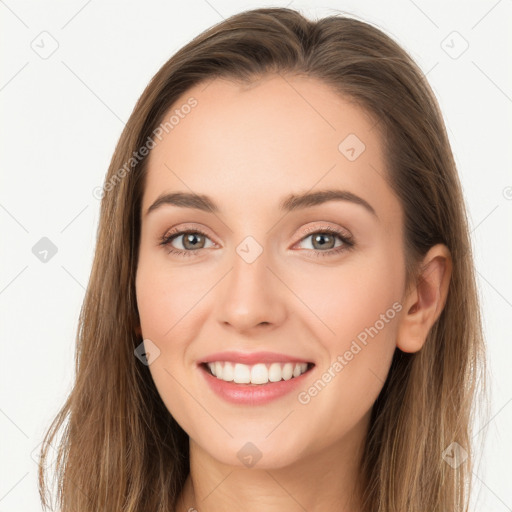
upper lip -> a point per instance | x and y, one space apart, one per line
250 358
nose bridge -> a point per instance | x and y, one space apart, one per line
251 293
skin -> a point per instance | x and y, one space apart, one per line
248 147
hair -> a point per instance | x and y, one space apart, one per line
121 449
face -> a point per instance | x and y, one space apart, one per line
315 281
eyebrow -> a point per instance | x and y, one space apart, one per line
288 204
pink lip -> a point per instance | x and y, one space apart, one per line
251 394
252 358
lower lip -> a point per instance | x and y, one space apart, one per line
251 394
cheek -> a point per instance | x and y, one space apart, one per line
169 319
172 304
353 296
358 306
167 296
154 301
358 356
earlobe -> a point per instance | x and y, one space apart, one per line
426 300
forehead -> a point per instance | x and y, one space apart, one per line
251 144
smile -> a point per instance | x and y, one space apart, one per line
260 373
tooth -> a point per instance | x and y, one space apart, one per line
227 372
242 374
287 371
259 374
274 372
218 369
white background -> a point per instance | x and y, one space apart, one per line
62 116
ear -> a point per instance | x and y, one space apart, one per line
426 299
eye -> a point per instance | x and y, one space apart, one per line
191 241
323 242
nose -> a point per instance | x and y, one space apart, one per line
251 296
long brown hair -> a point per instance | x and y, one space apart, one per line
121 450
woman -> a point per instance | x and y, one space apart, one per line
282 310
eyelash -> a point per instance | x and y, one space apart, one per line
348 242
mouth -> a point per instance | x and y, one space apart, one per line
258 374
